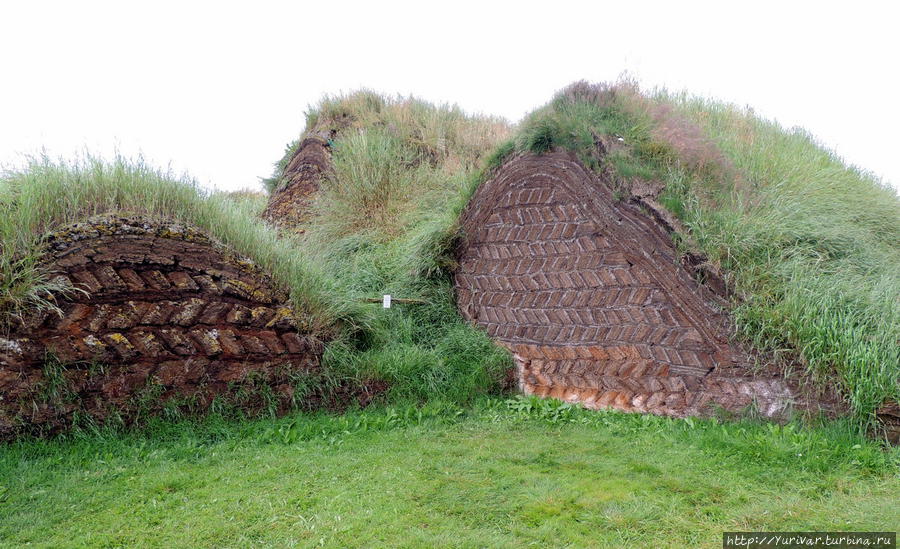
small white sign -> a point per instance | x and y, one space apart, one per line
387 301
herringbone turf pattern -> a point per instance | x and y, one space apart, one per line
161 302
588 294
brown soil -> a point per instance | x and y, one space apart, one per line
888 425
165 311
589 294
290 204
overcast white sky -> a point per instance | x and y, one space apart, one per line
217 89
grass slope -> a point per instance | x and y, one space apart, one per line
499 474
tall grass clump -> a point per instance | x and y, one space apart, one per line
809 246
380 217
47 194
372 184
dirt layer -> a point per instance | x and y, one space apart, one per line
888 422
290 204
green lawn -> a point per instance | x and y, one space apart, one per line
503 474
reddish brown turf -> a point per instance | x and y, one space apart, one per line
589 295
889 422
289 206
164 304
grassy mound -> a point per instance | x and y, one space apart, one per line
47 194
808 246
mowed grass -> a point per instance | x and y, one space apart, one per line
513 473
